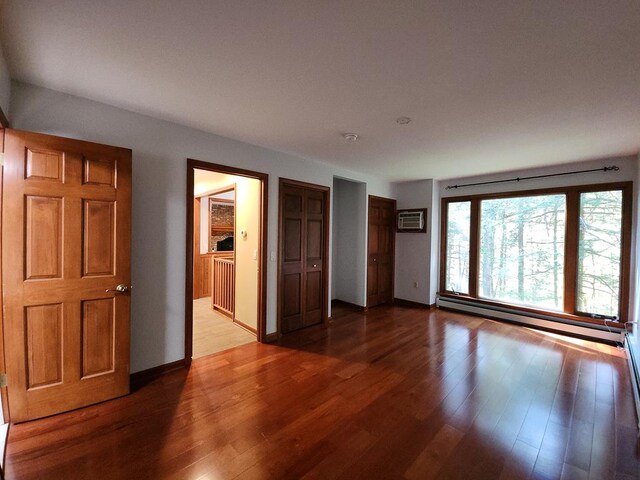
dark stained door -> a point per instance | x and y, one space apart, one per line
303 238
381 251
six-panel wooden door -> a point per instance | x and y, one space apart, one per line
66 234
381 251
303 241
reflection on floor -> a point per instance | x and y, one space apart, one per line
214 332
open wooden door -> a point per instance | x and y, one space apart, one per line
66 273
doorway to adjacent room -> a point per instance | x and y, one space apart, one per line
225 284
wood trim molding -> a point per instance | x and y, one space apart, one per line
245 326
298 183
139 379
262 259
401 302
4 121
341 303
3 391
217 191
271 337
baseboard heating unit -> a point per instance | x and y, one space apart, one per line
546 322
634 371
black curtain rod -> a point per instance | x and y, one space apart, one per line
517 179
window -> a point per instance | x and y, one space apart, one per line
458 231
599 252
522 250
562 250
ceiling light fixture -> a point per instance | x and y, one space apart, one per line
403 120
350 137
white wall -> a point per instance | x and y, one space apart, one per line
247 250
413 250
349 242
628 172
160 150
5 85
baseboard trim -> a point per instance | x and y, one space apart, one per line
138 379
271 337
4 121
612 335
353 306
245 326
401 302
634 372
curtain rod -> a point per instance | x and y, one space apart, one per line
517 179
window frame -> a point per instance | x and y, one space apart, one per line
570 284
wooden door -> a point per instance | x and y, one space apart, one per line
381 251
66 246
302 285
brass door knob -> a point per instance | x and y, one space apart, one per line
122 288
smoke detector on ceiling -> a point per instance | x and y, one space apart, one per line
350 137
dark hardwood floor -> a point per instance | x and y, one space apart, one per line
393 393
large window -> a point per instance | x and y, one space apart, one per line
522 250
458 230
599 252
559 250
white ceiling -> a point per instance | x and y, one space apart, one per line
491 85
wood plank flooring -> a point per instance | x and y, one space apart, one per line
394 393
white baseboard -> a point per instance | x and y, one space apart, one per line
533 320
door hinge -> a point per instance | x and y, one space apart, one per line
3 380
1 159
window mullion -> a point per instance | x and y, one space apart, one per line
571 251
474 248
444 212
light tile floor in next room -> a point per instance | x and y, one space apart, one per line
214 332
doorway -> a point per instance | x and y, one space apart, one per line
226 248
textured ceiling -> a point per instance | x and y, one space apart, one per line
490 86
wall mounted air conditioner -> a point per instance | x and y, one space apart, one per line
411 220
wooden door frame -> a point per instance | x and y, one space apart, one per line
325 245
4 123
393 246
192 165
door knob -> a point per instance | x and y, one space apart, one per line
375 259
314 265
122 288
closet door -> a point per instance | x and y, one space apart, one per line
381 251
302 282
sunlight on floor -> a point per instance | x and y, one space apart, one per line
583 345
